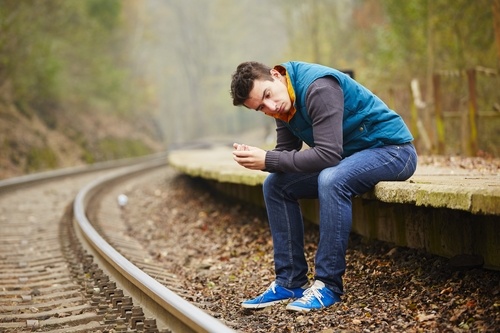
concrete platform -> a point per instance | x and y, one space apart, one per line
445 211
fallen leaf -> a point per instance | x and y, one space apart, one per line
423 317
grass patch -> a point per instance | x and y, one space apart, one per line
40 158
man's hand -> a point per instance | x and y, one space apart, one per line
249 157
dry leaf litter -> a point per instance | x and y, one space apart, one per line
221 251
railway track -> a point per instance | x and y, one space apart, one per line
67 264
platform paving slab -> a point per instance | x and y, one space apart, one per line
429 186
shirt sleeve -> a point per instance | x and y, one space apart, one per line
285 139
325 106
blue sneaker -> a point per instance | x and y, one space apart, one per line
274 294
318 296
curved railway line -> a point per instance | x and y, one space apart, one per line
67 264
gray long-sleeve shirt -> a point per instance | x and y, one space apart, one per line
325 106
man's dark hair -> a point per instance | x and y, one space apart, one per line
244 76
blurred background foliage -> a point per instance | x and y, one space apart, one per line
56 51
159 70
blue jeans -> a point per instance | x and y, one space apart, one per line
334 187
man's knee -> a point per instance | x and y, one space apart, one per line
269 181
330 177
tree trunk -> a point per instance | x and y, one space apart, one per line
430 71
496 23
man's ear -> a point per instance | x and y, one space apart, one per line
274 73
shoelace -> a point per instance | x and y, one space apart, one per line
310 294
273 287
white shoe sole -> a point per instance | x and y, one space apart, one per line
297 308
263 305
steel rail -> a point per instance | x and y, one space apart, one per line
12 182
168 308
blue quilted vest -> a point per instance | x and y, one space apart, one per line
368 122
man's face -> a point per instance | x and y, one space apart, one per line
270 97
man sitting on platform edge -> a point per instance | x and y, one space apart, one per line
355 141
